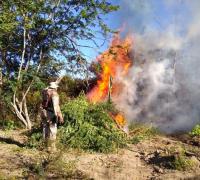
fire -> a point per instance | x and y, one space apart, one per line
114 62
121 121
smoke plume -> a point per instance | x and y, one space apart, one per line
163 86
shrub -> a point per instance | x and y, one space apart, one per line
8 124
179 160
195 131
35 139
90 127
182 163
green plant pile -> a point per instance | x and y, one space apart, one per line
89 126
195 131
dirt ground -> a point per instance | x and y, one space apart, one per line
149 159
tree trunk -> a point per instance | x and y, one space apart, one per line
29 124
1 67
22 113
1 76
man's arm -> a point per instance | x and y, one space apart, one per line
56 107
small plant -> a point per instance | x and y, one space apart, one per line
53 166
140 132
195 131
37 168
182 163
137 139
35 140
60 167
173 157
8 124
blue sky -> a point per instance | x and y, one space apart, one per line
137 16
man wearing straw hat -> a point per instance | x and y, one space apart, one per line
51 115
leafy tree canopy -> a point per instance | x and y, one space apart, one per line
52 27
35 38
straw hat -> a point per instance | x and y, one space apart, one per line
53 85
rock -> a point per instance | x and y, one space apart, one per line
157 152
143 153
137 155
158 169
148 158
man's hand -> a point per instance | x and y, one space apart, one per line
61 121
60 118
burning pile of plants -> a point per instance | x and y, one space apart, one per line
92 122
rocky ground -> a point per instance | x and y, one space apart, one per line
160 157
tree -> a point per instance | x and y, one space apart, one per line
34 33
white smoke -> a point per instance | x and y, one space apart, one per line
163 86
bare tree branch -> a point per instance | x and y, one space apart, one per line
38 68
23 51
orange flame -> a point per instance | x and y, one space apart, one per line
121 121
114 62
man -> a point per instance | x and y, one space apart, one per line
51 115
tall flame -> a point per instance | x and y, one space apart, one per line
114 62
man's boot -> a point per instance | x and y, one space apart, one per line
51 147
